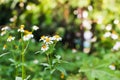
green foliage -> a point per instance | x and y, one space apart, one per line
64 61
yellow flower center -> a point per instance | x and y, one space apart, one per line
10 37
44 46
57 36
47 40
22 27
27 32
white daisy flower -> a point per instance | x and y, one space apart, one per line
88 35
35 28
107 34
90 8
57 38
48 40
5 28
108 27
3 33
114 36
116 46
44 47
27 37
10 38
112 67
29 7
21 29
116 21
42 38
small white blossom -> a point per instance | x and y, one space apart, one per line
57 38
27 37
74 50
75 12
3 33
48 40
107 34
28 7
44 47
114 36
21 29
35 61
116 46
5 28
88 35
116 21
86 50
87 24
42 38
90 8
10 38
108 27
112 67
85 14
35 28
21 4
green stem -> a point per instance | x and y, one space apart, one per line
50 63
23 61
23 68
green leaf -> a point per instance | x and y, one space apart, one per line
52 71
61 69
3 54
18 78
45 64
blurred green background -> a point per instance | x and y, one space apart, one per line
90 30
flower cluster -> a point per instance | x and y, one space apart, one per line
27 34
10 38
21 29
47 41
4 30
